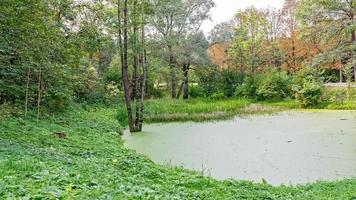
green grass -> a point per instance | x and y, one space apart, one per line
168 110
93 164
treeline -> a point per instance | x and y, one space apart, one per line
304 33
54 52
269 54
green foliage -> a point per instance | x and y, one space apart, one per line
208 79
335 96
193 109
249 87
121 116
229 81
196 91
274 85
308 87
92 163
217 96
153 92
214 81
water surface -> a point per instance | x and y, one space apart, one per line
286 148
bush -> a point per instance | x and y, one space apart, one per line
208 79
213 81
273 85
57 100
249 87
217 96
195 91
336 96
308 87
229 81
153 92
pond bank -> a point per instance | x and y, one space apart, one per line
167 110
93 163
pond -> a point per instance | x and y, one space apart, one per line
292 147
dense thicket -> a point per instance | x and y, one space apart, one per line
55 52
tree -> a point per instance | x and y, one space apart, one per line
192 52
334 22
171 21
289 26
132 89
222 33
251 33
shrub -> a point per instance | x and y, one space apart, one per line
153 92
57 100
336 96
196 91
229 81
273 85
249 87
308 87
218 95
212 81
208 79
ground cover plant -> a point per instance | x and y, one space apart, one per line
90 161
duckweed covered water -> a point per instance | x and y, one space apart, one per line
293 147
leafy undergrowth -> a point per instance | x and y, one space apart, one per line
91 163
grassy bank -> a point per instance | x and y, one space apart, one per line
91 163
168 110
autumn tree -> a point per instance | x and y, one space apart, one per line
334 22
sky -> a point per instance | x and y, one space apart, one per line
225 10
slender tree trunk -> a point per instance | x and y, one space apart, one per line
124 61
39 88
353 36
173 73
180 90
134 85
143 66
27 90
353 40
293 56
186 81
341 79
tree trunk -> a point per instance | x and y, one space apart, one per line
27 91
124 61
39 87
186 81
353 37
180 90
353 40
173 73
293 56
143 66
133 85
341 76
